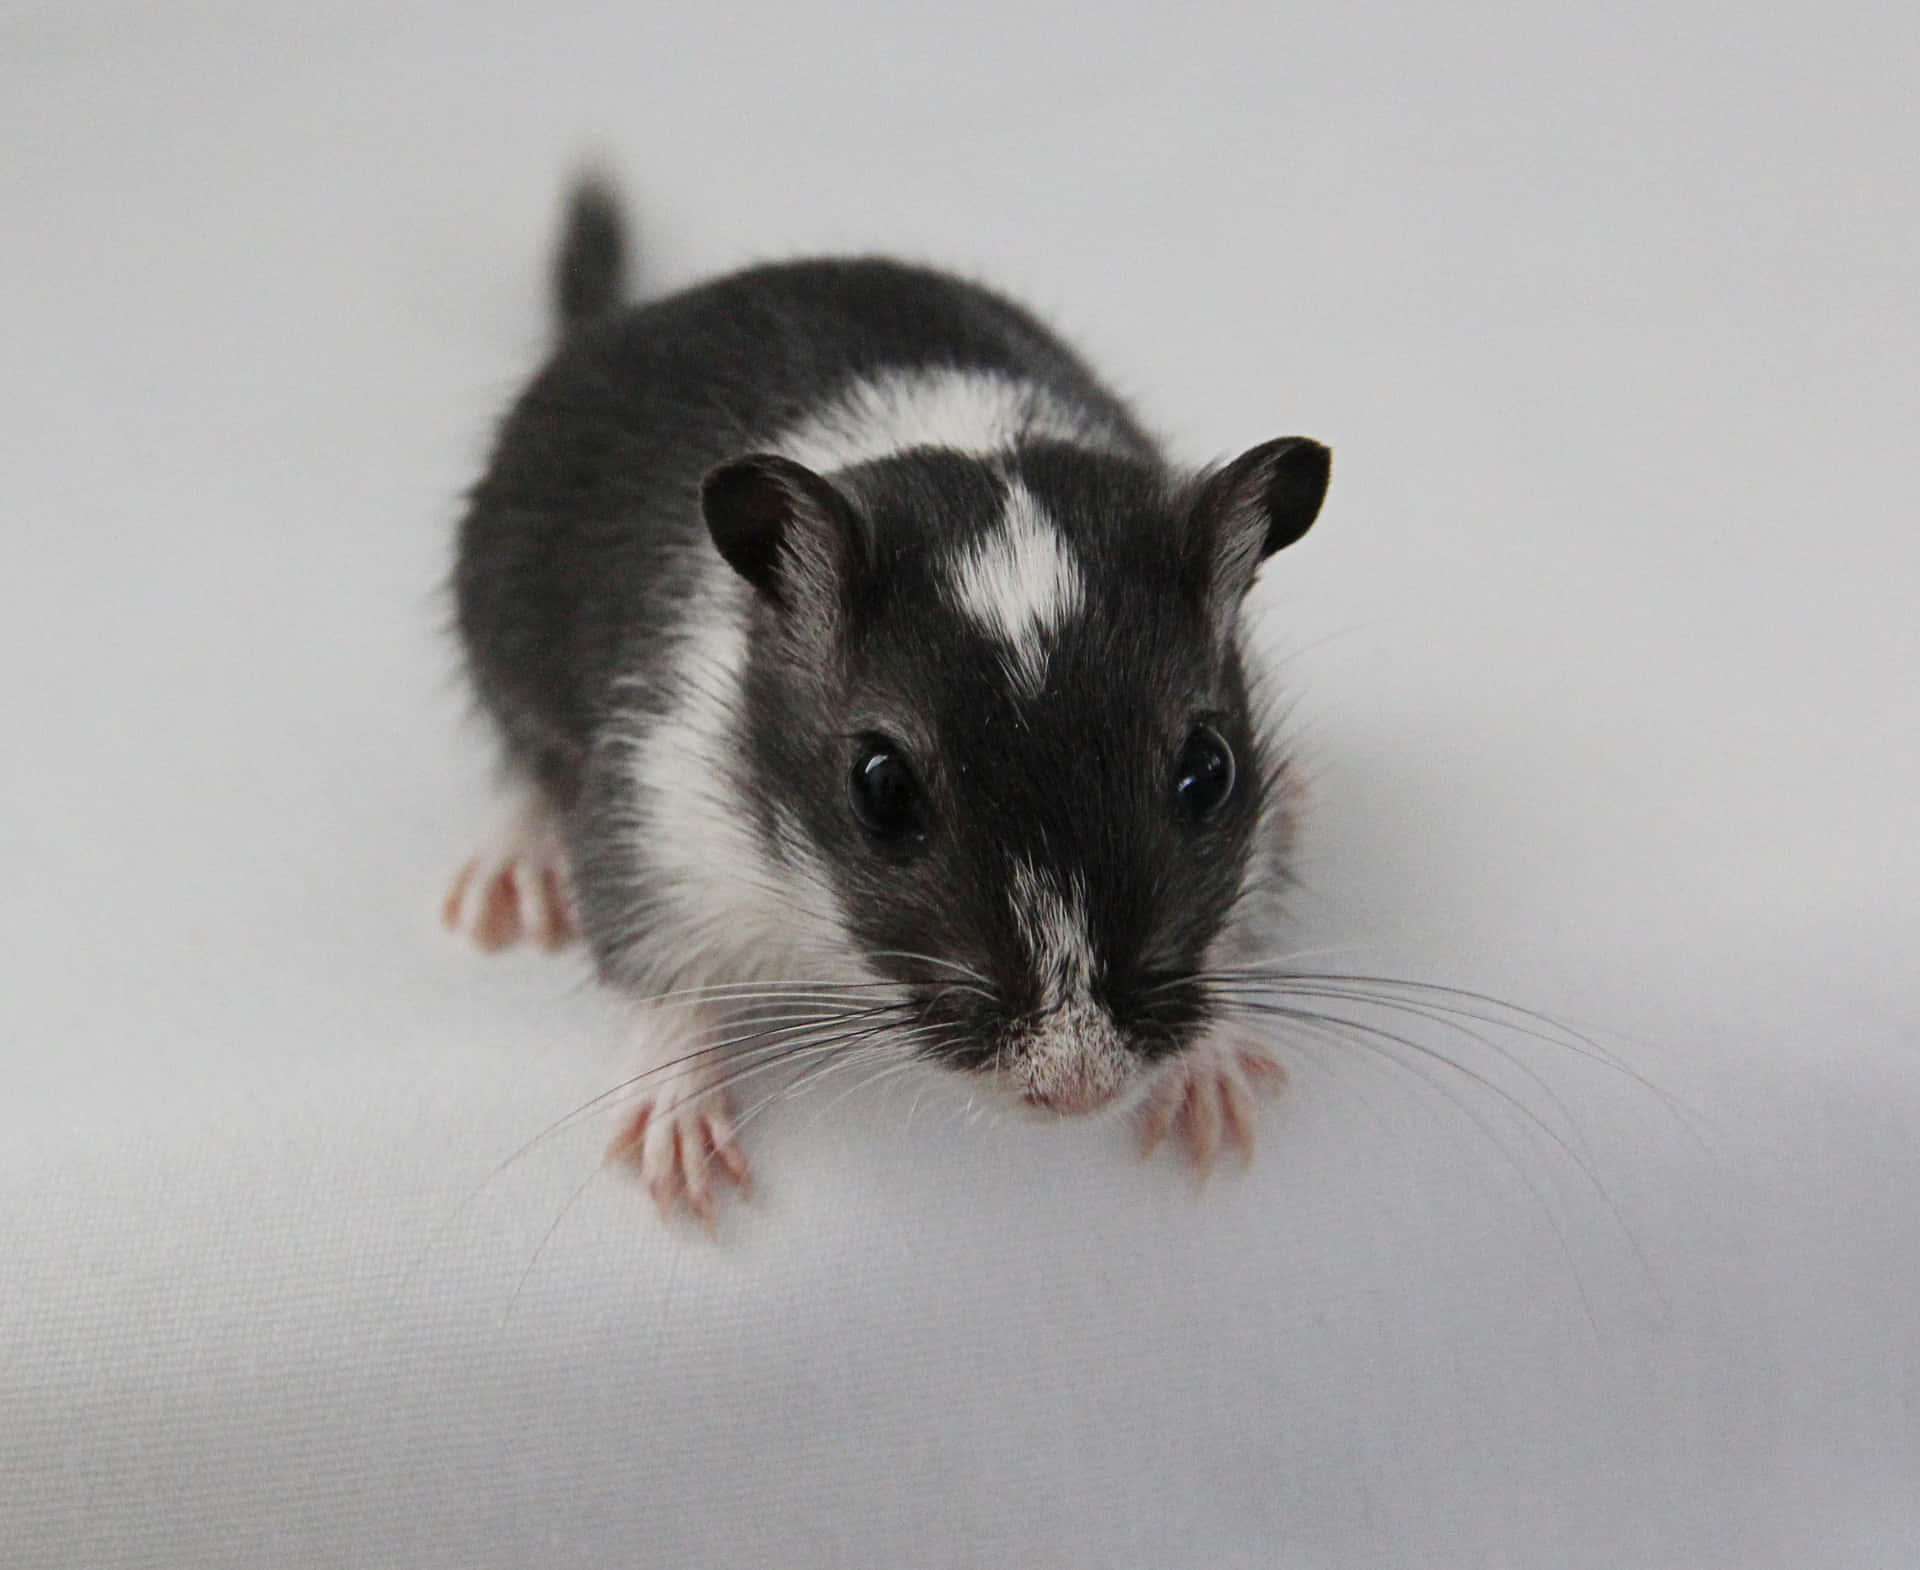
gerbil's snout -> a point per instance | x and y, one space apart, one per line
1071 1099
1070 1059
1081 1017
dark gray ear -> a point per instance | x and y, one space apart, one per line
1260 503
783 528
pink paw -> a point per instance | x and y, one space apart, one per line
1206 1097
684 1145
517 887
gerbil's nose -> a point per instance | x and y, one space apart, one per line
1069 1060
1070 1099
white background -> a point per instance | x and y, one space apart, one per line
1605 662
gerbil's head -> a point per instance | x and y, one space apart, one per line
999 704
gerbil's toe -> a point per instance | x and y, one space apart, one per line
484 905
560 926
684 1150
518 887
1206 1097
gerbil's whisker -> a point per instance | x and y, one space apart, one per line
897 1048
1506 1055
1372 1037
1331 1025
541 1247
834 1050
743 1042
966 972
1279 1010
1486 1010
759 1047
894 1065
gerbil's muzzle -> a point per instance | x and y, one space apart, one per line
1070 1059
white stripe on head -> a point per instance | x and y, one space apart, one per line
1020 583
1069 1053
1054 923
975 412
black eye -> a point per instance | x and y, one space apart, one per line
885 795
1203 776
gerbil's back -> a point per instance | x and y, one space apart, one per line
583 542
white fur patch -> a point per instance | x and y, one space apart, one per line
1054 923
1020 583
729 911
1069 1055
974 412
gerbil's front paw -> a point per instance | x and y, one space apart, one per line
518 885
1206 1096
684 1144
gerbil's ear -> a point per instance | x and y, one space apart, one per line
1260 503
784 529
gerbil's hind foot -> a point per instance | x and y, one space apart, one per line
681 1137
518 885
1206 1097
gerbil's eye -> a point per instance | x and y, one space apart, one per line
885 795
1203 776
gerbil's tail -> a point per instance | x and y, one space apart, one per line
590 266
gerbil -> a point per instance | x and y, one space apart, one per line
869 681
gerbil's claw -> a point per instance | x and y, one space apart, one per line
1237 1116
1154 1125
518 885
725 1145
1207 1096
622 1146
1201 1123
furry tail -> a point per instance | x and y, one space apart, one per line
590 267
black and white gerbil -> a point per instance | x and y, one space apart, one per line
870 683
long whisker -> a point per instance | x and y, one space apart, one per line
905 1047
966 971
1564 1033
833 1050
898 1048
745 1041
1440 1017
755 1044
1330 1024
810 1074
541 1247
895 1065
1334 1054
1205 977
1490 1011
1493 1087
1581 1164
731 991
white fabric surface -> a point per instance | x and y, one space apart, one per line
1605 659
